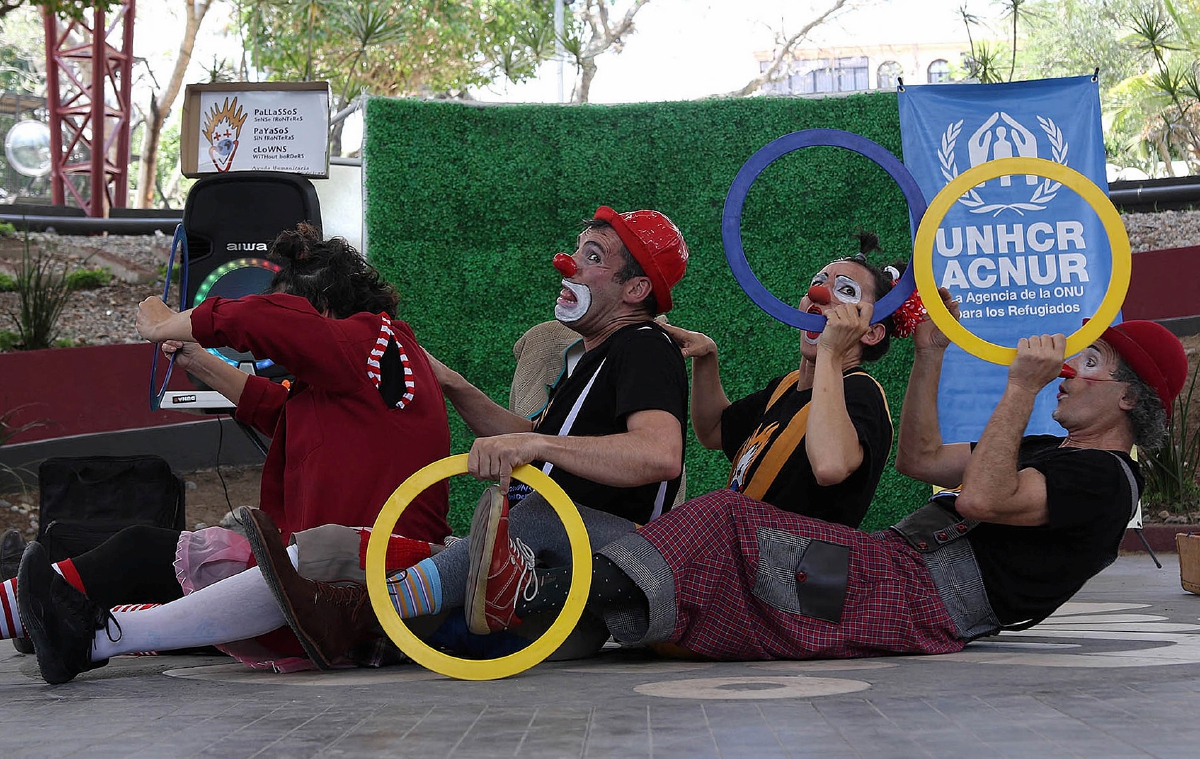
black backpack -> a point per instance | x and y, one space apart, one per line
85 501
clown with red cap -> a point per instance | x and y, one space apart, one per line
1028 522
611 434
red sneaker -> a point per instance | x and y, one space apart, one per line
501 570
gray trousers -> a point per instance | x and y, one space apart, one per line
535 522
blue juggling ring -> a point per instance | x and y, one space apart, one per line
731 219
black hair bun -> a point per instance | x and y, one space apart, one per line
295 244
868 242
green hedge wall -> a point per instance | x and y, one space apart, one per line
467 204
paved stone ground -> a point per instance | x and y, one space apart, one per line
1115 674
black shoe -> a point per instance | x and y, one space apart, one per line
60 620
12 545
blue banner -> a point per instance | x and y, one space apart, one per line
1022 255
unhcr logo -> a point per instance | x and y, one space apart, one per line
1002 136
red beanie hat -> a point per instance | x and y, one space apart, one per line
1154 354
656 244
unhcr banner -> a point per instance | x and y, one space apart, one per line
1022 255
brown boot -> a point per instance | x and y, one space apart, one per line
328 619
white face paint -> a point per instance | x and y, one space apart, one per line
846 290
566 311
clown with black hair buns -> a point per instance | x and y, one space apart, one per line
832 472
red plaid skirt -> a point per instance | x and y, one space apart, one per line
711 547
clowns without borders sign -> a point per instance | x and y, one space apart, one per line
245 126
1021 254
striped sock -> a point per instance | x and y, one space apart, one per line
416 591
134 607
66 569
10 620
137 607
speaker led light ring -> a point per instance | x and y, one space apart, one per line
202 292
731 219
1118 241
474 669
211 286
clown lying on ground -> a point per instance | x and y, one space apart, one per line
729 577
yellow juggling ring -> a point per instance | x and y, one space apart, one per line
477 669
1118 240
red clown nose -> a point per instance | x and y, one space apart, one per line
819 294
1067 372
565 264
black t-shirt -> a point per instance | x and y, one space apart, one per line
1031 571
750 430
639 368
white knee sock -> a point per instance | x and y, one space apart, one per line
235 608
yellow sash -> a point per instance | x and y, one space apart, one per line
781 448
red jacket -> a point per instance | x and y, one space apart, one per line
337 451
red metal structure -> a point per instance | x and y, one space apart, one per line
89 67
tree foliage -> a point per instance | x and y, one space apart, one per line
1148 54
23 53
1070 37
162 101
76 9
386 48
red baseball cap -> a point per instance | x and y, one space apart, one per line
656 244
1154 354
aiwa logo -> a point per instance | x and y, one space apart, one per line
248 246
1002 136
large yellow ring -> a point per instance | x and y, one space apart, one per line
477 669
1118 282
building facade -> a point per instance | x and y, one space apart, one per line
858 68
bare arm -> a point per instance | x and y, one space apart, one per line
708 395
994 489
650 451
156 321
921 454
836 453
484 416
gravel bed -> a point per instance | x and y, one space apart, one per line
79 251
102 316
1162 230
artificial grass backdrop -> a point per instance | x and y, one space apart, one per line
466 205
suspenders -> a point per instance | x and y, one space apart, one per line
573 415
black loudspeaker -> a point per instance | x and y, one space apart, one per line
230 221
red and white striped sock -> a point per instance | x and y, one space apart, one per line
235 608
137 607
10 621
66 570
134 607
